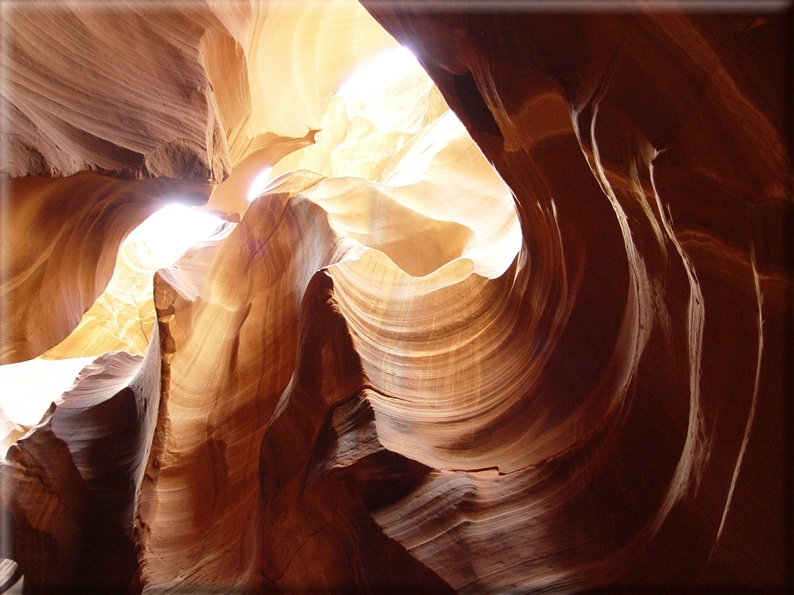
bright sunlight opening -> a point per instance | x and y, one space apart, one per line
382 71
260 183
30 387
169 232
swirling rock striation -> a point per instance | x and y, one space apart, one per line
70 485
650 167
553 360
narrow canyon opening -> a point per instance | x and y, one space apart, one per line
288 307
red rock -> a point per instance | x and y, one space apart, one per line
398 369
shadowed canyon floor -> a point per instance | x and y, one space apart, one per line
455 298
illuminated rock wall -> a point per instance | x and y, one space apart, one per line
398 368
649 155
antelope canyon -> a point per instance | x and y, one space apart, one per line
405 296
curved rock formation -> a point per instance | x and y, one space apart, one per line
551 358
58 260
70 486
650 167
95 114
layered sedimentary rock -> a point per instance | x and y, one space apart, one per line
552 357
70 486
58 260
656 167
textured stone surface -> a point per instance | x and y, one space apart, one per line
70 485
537 341
60 238
648 155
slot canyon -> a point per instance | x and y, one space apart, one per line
438 296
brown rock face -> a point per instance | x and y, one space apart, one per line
521 325
650 165
60 239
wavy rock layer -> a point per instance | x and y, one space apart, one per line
170 99
649 165
70 485
397 370
58 259
94 115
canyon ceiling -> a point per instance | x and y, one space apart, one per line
511 317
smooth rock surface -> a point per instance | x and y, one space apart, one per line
514 320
